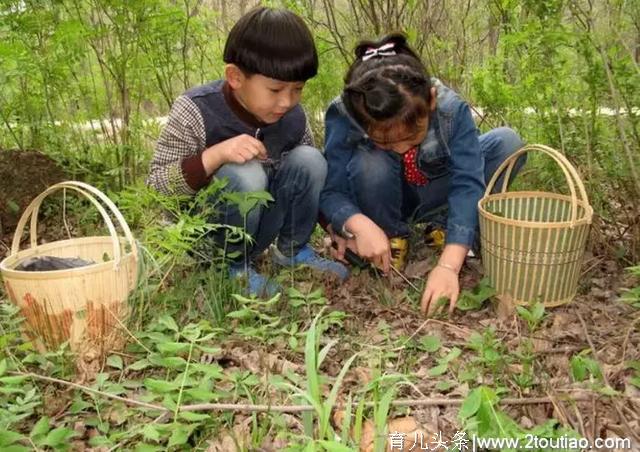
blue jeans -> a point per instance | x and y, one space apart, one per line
387 199
295 184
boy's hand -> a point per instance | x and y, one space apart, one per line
239 149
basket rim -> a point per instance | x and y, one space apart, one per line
89 192
586 219
9 272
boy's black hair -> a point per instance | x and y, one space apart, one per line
382 91
275 43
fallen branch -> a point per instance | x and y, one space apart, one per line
582 396
91 390
427 402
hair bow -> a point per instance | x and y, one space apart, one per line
384 50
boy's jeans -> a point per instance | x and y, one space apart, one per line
294 182
390 204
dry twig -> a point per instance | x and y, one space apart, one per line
429 401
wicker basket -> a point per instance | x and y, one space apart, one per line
87 305
532 241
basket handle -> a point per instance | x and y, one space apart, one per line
570 173
87 191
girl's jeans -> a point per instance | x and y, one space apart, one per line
392 205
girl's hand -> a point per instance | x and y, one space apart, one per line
372 243
442 282
443 279
341 245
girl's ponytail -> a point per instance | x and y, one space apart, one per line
379 98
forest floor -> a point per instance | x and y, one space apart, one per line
195 342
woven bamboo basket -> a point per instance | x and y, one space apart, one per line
533 241
87 305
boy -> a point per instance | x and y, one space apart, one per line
249 129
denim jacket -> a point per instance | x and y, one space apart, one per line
451 148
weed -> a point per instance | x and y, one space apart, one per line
491 352
526 356
481 417
582 367
473 300
632 296
635 379
317 423
444 361
534 315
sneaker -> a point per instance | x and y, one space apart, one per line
399 249
257 284
434 236
307 256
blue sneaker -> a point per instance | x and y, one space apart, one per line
307 256
258 284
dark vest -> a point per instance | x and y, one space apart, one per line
220 123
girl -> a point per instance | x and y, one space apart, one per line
401 145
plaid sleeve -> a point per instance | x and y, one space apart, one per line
182 139
307 137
